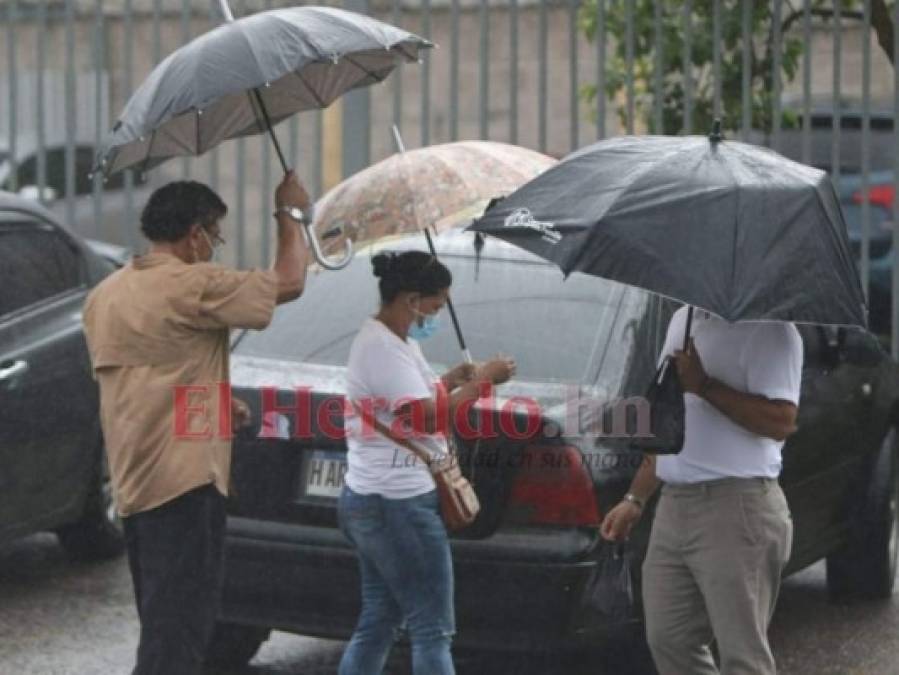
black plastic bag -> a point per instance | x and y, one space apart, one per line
610 589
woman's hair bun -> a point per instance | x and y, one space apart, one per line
383 263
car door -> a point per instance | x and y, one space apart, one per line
822 461
48 400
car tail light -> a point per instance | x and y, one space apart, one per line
878 195
553 487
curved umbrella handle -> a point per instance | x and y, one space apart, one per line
320 257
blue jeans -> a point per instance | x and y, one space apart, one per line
407 581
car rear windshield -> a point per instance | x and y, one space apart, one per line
583 330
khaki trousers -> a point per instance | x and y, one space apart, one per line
712 571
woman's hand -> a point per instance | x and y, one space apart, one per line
498 370
464 372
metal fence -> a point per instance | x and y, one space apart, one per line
810 78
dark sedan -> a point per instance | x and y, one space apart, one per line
523 566
51 448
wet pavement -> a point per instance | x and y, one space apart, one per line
63 618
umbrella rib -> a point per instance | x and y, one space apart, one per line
312 92
149 151
364 69
733 258
401 47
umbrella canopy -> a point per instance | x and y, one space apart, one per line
441 186
298 58
733 228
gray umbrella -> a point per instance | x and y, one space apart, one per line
247 75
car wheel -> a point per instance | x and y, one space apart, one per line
233 645
865 567
98 534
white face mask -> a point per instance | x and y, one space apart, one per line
212 247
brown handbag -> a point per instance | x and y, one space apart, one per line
459 504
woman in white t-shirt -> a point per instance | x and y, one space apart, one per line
389 508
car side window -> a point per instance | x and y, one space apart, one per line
27 173
55 171
36 263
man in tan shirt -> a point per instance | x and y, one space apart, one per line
158 334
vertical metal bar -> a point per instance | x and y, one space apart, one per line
214 155
397 78
543 46
777 48
214 175
572 73
866 150
265 220
128 25
629 64
746 72
454 72
716 58
600 69
484 75
513 71
241 209
99 58
352 136
11 25
185 38
264 199
688 66
658 67
894 323
41 103
807 82
157 56
317 179
836 123
426 75
157 31
241 186
71 114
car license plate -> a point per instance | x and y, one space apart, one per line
323 474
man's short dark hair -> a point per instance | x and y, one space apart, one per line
174 207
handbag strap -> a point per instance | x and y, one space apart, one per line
687 329
384 430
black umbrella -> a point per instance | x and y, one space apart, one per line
733 228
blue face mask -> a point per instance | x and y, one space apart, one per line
429 325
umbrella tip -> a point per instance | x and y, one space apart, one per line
716 134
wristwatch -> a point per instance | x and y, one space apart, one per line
633 499
292 212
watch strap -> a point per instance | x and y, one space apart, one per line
634 499
289 212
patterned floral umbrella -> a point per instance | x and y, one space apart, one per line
440 186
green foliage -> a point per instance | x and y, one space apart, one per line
673 16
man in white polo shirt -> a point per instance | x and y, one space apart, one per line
722 530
